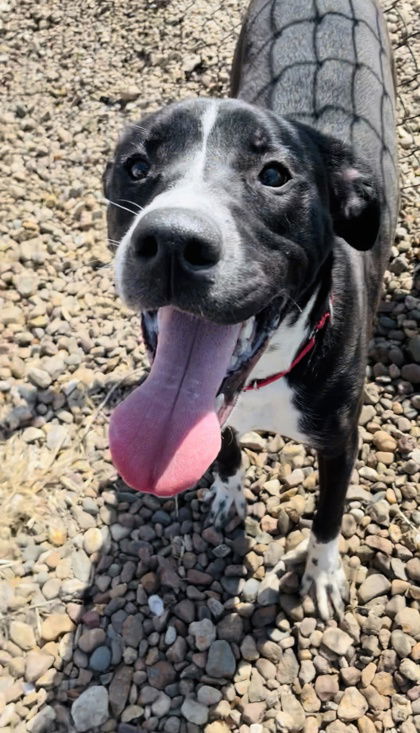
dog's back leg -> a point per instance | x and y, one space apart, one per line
226 489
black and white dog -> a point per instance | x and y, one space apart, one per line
255 255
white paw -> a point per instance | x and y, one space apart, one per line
223 495
324 575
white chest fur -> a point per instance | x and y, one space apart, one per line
273 407
270 408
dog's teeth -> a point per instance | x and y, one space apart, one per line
237 349
234 362
151 323
247 329
243 348
220 401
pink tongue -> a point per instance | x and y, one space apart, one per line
165 435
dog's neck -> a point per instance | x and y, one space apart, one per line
296 328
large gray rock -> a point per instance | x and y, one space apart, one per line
374 585
195 712
220 661
90 709
42 721
336 640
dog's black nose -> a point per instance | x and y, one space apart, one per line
183 238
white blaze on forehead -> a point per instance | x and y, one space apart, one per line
208 120
190 166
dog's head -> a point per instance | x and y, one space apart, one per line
225 212
220 207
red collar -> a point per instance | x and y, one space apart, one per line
258 383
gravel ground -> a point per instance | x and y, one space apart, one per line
120 612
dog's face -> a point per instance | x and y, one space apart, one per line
227 212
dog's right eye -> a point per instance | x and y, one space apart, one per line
274 175
137 168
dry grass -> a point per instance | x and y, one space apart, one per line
30 471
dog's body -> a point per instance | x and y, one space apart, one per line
255 215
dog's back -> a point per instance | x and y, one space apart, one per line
326 63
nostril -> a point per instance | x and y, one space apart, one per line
197 254
147 247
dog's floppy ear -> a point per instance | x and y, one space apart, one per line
354 197
106 177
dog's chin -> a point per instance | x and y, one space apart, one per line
253 339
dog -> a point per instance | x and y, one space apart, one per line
253 236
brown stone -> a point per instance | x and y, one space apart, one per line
132 630
178 650
119 689
368 674
269 524
197 577
380 543
264 616
161 674
185 610
253 712
385 457
326 686
383 682
365 725
271 651
384 441
218 726
168 574
350 676
309 699
55 625
377 702
150 582
90 639
352 705
36 664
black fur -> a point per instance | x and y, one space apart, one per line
229 458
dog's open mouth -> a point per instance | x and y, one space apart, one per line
252 340
166 434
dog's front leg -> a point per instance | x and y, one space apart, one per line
324 572
227 488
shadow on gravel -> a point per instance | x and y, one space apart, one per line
159 614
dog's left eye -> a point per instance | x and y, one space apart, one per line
138 168
274 175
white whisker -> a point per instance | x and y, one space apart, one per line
108 266
294 302
133 203
113 203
